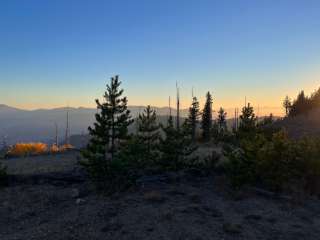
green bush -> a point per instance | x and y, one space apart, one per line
285 163
207 163
277 163
241 164
175 148
308 163
135 154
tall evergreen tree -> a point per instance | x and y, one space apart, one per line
287 105
190 124
221 120
315 99
148 130
175 147
301 105
248 122
215 133
111 126
206 123
219 130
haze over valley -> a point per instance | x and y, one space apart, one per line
19 125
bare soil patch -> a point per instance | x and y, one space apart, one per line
197 207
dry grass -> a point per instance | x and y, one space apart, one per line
37 148
25 149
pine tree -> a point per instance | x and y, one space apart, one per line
287 105
267 120
248 122
110 128
219 128
315 99
175 147
301 105
190 124
148 130
206 123
215 133
221 120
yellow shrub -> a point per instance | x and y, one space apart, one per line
24 149
66 147
54 148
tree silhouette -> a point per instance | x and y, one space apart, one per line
111 126
206 122
248 122
315 99
221 120
267 120
190 124
148 130
175 147
300 105
303 104
287 105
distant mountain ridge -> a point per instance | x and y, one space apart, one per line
6 108
20 125
134 109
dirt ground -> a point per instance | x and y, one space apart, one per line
173 206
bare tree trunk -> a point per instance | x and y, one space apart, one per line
56 134
178 108
112 138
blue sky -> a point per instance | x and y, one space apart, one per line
54 53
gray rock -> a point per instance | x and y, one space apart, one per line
80 201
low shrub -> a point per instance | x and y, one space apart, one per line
135 154
239 169
209 162
277 163
38 148
65 147
54 149
26 149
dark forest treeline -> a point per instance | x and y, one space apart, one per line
302 104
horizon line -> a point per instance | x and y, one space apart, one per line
83 107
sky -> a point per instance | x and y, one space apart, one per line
63 52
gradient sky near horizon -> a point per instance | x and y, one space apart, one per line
63 52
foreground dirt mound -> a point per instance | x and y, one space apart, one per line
177 207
